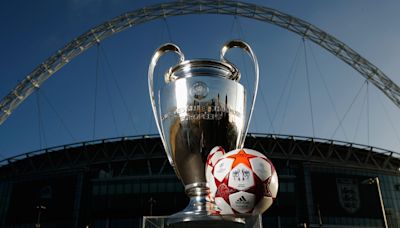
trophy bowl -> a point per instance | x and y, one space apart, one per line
201 105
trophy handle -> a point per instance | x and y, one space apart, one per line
168 47
243 45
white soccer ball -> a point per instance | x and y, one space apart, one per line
245 181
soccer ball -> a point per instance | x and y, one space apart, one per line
215 154
245 182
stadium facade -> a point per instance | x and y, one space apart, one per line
114 182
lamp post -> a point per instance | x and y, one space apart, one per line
151 202
375 181
40 209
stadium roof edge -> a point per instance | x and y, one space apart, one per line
351 147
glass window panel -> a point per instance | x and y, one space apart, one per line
136 188
111 189
127 188
145 187
290 187
103 189
120 189
283 187
153 187
178 187
96 190
161 187
170 187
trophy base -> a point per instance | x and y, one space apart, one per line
212 221
197 221
200 212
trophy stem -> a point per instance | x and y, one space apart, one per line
199 207
199 203
197 189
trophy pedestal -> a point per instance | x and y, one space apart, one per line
211 221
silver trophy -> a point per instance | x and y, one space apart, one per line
200 105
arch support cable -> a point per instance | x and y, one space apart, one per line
55 62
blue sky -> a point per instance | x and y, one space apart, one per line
33 30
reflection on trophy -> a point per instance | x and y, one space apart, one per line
200 105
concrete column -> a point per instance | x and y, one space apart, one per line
77 203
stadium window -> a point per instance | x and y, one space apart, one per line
161 187
370 222
290 187
378 222
283 187
96 190
127 188
397 187
120 189
111 189
342 220
153 187
103 189
355 221
136 188
144 187
170 187
178 187
361 222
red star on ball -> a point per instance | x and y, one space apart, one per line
241 158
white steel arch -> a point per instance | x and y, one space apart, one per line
55 62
